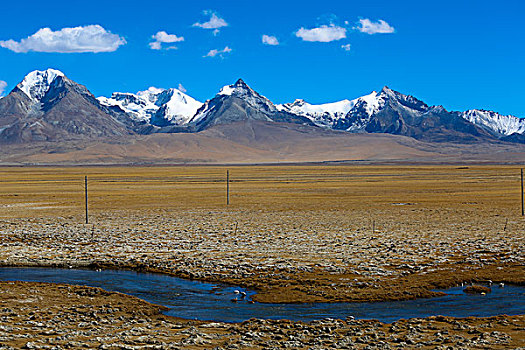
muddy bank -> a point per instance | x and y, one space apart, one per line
285 287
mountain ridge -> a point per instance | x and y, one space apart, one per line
47 106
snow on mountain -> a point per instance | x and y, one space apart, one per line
323 114
47 106
140 106
304 108
155 105
150 94
373 102
495 122
179 108
393 112
239 103
226 90
37 83
367 109
328 114
129 103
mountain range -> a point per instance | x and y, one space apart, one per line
47 106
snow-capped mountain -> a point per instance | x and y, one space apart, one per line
47 106
159 107
389 111
363 116
495 123
498 125
353 115
238 102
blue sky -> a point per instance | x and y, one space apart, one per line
461 54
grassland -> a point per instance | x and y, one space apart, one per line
294 233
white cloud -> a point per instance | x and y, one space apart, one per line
214 52
270 40
90 38
155 45
3 85
181 88
369 27
322 34
214 23
163 37
346 47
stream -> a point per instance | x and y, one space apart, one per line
207 301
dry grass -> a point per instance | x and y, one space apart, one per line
59 191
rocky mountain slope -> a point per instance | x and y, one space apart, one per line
254 141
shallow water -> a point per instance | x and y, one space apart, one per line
206 301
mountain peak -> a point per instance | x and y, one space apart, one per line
47 72
298 102
387 90
37 83
239 88
388 93
392 93
240 82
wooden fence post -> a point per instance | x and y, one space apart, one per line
86 198
227 187
522 195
